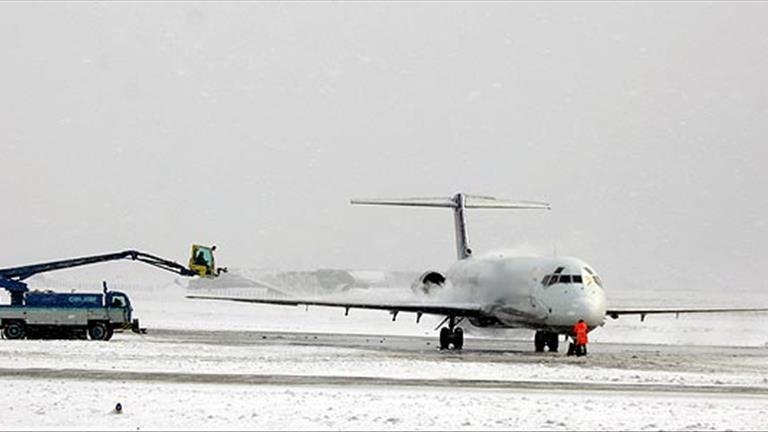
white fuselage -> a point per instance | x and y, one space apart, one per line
524 292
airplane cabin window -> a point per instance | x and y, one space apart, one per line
565 278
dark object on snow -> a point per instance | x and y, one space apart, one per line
119 408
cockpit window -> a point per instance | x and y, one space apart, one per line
593 276
552 279
559 270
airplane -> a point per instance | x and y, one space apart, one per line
545 294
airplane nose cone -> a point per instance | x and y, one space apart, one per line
591 308
567 306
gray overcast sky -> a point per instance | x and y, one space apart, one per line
155 125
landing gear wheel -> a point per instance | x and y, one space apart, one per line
458 338
545 339
553 341
98 331
445 338
451 339
15 330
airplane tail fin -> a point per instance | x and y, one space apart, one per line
458 203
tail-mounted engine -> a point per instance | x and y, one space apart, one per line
428 282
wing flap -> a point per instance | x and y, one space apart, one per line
466 310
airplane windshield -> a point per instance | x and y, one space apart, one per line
558 278
592 277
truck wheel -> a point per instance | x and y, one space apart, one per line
15 330
33 333
110 333
98 331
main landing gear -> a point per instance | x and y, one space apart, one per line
546 339
451 337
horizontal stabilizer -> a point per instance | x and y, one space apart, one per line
475 201
470 201
408 202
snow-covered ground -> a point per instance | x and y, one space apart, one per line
194 380
59 404
148 354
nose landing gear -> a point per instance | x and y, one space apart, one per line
545 339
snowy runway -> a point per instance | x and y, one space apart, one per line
284 380
149 405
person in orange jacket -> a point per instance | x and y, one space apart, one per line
580 335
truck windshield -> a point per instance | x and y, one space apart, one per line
119 301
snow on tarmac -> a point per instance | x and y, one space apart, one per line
61 405
130 353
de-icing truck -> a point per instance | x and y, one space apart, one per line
49 315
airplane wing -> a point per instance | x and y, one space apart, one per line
643 312
465 310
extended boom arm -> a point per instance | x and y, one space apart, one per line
24 272
11 278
